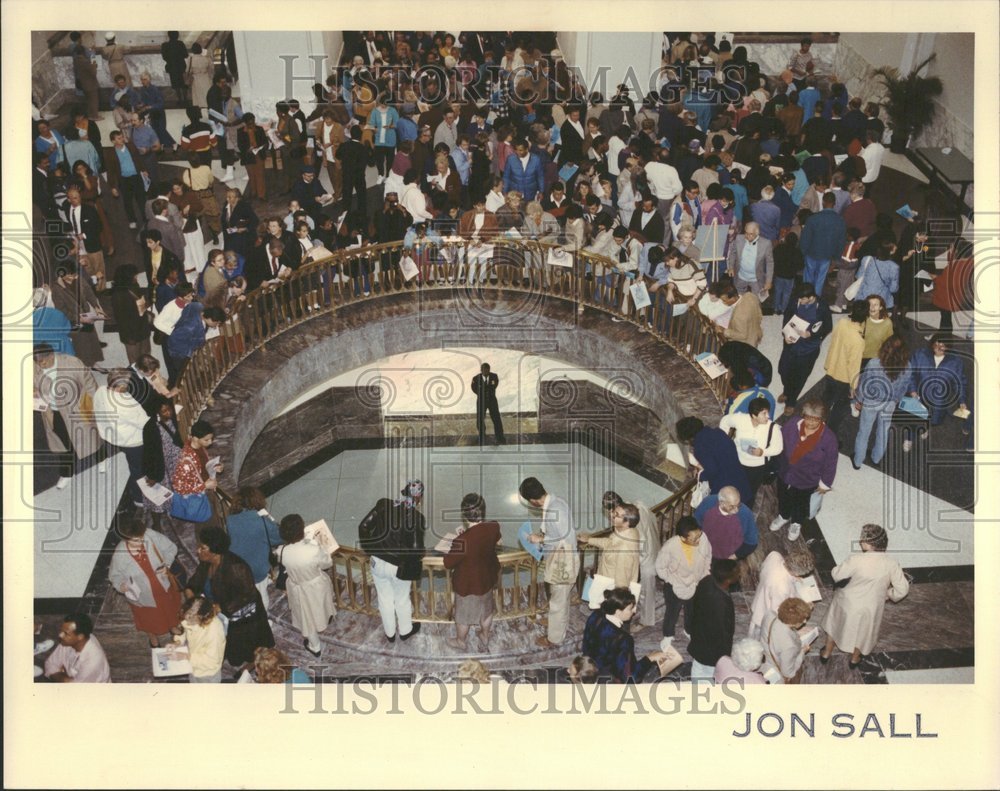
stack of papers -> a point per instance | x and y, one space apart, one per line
807 589
172 660
711 364
319 532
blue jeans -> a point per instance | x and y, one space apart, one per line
782 293
878 417
816 269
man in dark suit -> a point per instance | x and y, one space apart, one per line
571 135
239 224
41 192
485 387
85 229
353 158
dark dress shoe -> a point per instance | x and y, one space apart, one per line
413 631
823 659
305 644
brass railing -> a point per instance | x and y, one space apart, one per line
515 265
516 595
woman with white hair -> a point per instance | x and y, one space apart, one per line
855 615
742 664
776 583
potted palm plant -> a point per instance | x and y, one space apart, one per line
909 102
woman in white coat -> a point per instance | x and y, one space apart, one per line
855 614
310 590
776 583
682 563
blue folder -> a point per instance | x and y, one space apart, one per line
535 550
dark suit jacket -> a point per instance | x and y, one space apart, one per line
90 227
652 231
486 392
258 268
713 622
354 158
240 217
41 194
570 143
247 156
142 391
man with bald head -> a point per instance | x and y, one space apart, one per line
751 262
728 524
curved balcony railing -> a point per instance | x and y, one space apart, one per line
344 277
350 276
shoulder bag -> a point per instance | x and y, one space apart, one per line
851 292
281 578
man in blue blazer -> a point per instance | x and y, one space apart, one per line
823 238
939 379
524 172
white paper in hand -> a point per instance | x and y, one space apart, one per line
640 295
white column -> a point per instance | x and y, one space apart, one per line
607 59
280 65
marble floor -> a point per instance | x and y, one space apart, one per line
344 489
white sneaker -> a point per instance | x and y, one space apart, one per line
63 483
777 523
794 531
836 309
102 468
42 647
229 175
907 445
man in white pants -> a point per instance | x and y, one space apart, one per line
391 532
562 561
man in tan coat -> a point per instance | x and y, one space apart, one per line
745 322
63 392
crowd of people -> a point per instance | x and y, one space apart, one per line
480 136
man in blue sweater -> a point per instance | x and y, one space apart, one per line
823 239
715 453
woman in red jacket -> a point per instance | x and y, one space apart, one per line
474 570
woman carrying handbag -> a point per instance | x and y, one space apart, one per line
140 570
253 534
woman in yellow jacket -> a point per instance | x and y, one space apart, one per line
843 363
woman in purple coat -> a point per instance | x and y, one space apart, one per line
808 464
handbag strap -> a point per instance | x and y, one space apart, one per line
267 538
770 433
770 650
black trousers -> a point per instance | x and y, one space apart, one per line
793 504
134 197
837 396
794 370
482 406
674 605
